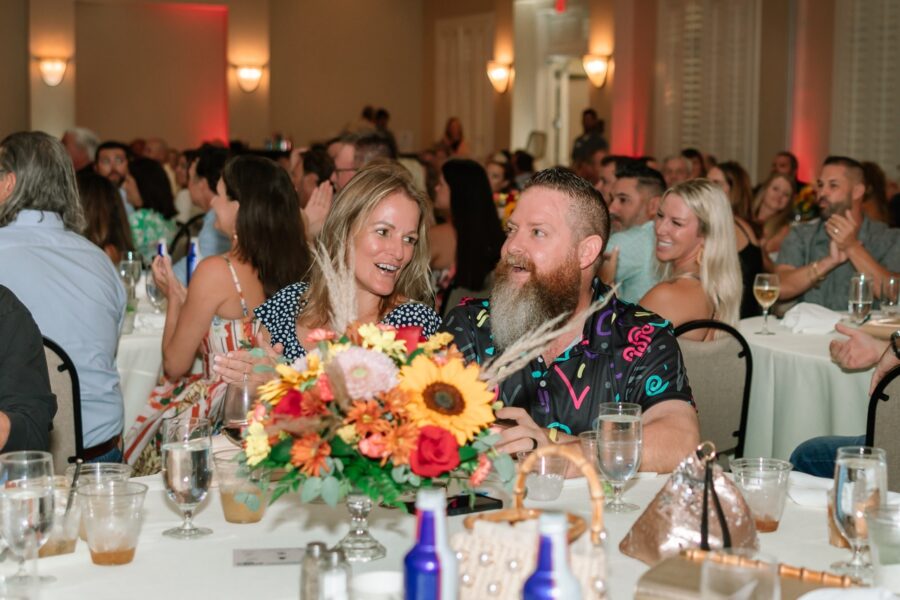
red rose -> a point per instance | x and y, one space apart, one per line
410 335
290 405
436 452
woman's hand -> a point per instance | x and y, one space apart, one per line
166 280
233 366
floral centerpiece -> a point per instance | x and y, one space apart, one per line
379 409
506 204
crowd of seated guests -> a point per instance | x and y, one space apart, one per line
420 233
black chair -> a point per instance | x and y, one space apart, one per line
66 436
722 398
882 431
179 247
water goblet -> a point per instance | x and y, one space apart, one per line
860 483
132 264
187 469
766 287
154 294
619 437
890 295
859 300
26 504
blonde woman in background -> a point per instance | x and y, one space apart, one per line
696 249
772 213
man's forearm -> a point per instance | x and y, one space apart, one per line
4 429
863 262
667 443
795 281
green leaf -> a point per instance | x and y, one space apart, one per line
257 353
263 369
338 465
312 488
331 491
281 453
505 467
415 480
399 474
251 501
485 442
414 354
340 448
467 453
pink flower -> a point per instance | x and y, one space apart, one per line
373 446
481 471
367 373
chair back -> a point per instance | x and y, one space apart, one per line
719 372
179 247
66 436
882 431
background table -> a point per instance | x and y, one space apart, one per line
139 361
798 392
189 569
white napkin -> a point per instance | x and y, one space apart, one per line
810 318
849 594
807 490
149 322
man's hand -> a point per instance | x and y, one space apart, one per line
859 351
888 361
843 229
526 435
317 209
233 366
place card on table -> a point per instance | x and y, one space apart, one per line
255 557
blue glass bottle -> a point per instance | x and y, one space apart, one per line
552 577
430 567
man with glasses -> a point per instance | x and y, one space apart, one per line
353 152
112 162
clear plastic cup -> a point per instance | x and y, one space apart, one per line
112 514
244 491
64 534
590 447
545 481
98 473
884 539
764 484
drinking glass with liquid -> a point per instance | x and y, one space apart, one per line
766 287
859 301
187 469
619 438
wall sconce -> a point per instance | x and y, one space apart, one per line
52 70
248 77
500 74
596 67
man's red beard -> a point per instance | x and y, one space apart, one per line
517 309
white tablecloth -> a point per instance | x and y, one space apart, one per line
139 361
798 392
174 569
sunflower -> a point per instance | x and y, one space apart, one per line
449 396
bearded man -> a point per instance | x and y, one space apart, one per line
548 267
818 258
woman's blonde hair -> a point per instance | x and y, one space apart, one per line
720 270
351 207
776 222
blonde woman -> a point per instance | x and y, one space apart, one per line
771 213
380 215
696 249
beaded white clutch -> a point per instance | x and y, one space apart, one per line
498 550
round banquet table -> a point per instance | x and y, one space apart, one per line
139 360
203 568
797 391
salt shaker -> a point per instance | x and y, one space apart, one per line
334 578
310 570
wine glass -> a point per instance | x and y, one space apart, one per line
890 295
860 482
765 288
859 300
619 436
237 403
154 294
187 469
26 504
